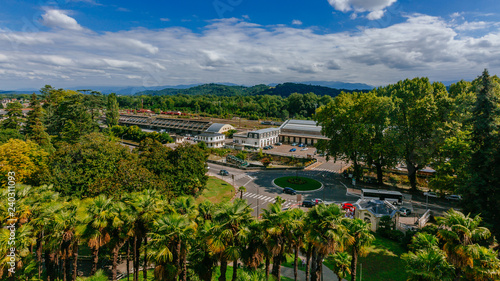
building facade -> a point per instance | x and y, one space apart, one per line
301 131
256 139
213 140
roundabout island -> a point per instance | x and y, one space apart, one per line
298 183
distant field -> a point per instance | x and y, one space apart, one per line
217 191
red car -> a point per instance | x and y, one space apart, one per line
347 206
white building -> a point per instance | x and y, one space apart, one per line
256 139
213 140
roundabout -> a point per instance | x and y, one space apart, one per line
299 184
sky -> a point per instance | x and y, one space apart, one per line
73 43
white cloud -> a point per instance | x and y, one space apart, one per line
246 53
59 19
376 8
297 22
375 15
475 25
164 19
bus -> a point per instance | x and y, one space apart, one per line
395 197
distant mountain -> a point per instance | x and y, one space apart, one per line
340 85
283 90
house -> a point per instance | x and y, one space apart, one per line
213 140
372 210
256 139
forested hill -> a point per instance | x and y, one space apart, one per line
284 90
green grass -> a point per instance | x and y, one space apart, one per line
382 263
217 191
151 276
309 185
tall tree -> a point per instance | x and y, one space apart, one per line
481 190
34 129
420 109
14 116
112 114
359 237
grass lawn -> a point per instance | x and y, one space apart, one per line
229 274
382 263
309 184
217 191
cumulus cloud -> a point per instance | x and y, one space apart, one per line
376 8
60 19
297 22
246 53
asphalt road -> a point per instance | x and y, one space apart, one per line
261 191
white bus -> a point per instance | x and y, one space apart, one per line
395 197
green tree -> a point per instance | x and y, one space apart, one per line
34 129
112 114
428 265
341 264
14 116
480 190
420 109
7 134
461 235
359 237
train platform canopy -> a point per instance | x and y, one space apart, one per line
301 131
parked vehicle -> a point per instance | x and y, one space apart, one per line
308 203
301 145
453 197
270 146
293 150
278 144
317 201
266 147
223 173
347 206
431 194
405 211
289 190
305 148
294 144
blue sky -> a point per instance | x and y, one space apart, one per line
69 43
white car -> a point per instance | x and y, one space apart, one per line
431 194
453 197
305 148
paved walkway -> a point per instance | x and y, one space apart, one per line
328 275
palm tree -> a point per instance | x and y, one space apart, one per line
231 223
422 241
97 215
428 264
460 235
325 235
341 264
145 207
241 189
486 266
359 236
296 236
170 240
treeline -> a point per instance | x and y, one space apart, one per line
300 106
283 90
422 124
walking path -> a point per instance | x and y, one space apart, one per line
327 274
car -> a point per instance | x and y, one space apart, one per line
405 211
289 190
270 146
293 149
431 194
347 206
278 144
453 197
301 145
294 144
305 148
223 173
308 203
266 147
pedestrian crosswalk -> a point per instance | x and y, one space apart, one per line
265 198
323 170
